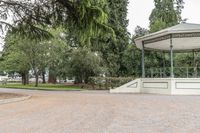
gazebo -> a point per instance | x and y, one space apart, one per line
183 37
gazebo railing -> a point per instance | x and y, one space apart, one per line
179 72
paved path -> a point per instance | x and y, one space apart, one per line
100 112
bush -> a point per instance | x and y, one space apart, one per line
105 83
84 64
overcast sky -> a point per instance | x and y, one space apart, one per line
139 11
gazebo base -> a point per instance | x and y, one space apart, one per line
169 86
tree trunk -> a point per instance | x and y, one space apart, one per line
78 79
23 78
43 77
86 80
52 77
36 79
27 77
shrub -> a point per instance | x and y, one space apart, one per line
105 83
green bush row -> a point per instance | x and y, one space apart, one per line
106 83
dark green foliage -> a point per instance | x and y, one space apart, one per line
106 83
132 55
165 14
82 20
113 49
85 18
132 60
12 58
22 54
139 31
190 61
83 64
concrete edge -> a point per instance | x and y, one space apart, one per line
12 100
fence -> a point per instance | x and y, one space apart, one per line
179 72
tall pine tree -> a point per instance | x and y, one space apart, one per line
165 14
113 49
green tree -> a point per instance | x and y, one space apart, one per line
132 60
165 14
22 55
139 31
51 55
16 62
113 49
59 54
83 17
84 64
13 60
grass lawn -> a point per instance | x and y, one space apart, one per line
42 87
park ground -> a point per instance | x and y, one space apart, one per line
99 112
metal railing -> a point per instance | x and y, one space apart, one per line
179 72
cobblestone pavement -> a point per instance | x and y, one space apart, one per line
100 112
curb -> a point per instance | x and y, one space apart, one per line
5 101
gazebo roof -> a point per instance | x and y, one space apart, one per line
184 37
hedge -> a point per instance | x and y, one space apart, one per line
105 83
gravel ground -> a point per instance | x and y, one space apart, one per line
100 112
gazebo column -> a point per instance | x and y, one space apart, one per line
143 65
194 65
171 58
